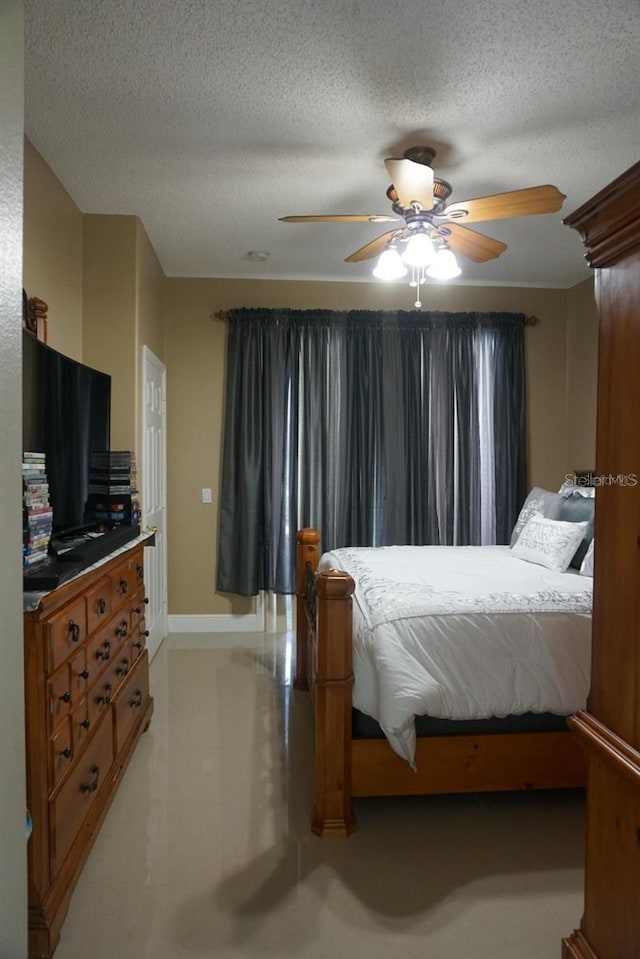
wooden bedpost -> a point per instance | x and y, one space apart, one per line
308 554
333 812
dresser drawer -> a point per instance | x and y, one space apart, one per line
59 695
138 570
127 578
64 632
99 600
84 784
121 627
101 696
138 607
139 639
79 675
103 692
122 584
122 664
131 698
60 753
81 726
104 645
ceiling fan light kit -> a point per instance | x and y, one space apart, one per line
389 265
444 266
429 228
419 250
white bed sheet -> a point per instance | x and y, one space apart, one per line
463 632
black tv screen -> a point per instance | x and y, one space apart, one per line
66 415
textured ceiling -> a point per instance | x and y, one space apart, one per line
210 119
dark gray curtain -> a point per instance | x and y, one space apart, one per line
376 428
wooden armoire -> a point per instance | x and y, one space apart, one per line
609 728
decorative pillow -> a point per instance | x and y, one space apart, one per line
578 509
541 501
586 568
549 542
570 488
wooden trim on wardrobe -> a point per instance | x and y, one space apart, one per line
608 223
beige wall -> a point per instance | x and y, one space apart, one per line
149 294
122 305
52 267
195 352
109 305
582 376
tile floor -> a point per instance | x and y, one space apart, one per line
206 850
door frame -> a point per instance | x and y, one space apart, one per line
147 354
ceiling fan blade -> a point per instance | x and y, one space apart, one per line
413 182
475 246
535 199
341 218
374 247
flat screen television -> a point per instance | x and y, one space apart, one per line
66 416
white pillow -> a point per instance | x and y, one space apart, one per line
549 542
586 568
541 501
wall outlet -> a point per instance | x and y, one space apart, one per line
206 495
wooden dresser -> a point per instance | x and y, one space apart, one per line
610 727
87 703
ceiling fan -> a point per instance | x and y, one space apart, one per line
429 230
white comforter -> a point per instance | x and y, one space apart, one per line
463 632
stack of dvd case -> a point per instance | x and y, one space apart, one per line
113 488
37 512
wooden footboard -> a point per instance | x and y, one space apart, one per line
324 666
308 556
345 768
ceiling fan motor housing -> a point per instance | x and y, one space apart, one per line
420 154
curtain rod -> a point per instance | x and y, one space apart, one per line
225 315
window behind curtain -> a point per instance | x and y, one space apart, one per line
376 428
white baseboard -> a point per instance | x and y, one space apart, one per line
217 623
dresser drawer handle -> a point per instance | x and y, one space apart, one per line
74 630
66 752
93 785
105 652
123 587
139 570
146 632
106 699
102 606
85 723
136 702
122 629
137 645
123 668
65 698
146 600
84 674
138 610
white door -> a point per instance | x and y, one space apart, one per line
154 496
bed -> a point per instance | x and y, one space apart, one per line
355 607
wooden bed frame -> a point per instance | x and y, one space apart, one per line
347 768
